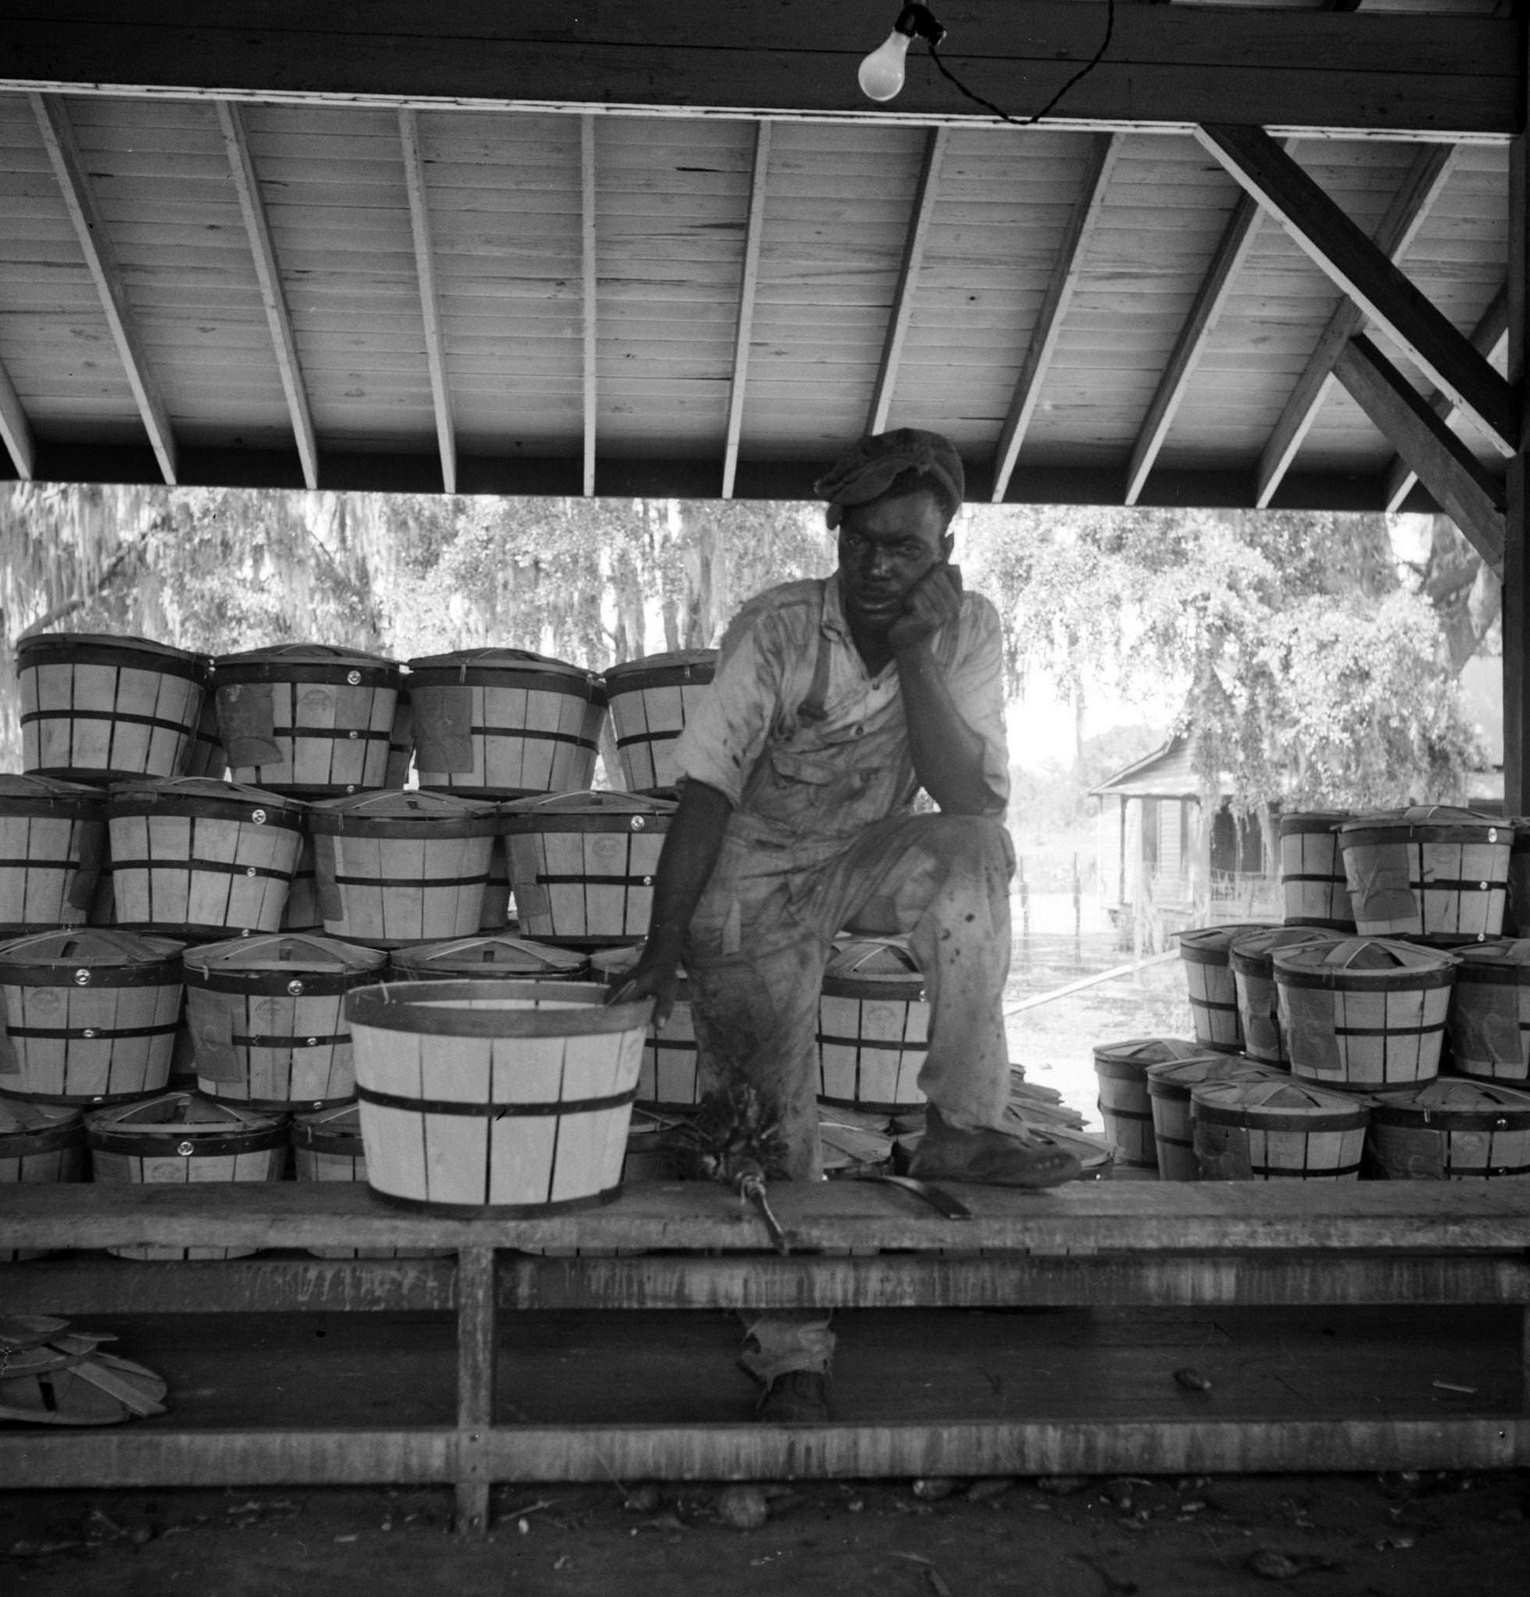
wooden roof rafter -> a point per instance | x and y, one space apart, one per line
101 260
272 296
748 289
430 303
1104 150
1395 232
1343 251
589 297
15 429
1489 336
923 208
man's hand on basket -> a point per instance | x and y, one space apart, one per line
657 976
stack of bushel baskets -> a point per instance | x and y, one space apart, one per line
1382 1031
302 911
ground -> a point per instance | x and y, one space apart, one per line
1321 1536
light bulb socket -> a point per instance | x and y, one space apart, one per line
918 22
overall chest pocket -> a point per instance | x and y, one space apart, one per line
814 791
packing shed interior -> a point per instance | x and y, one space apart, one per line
1252 256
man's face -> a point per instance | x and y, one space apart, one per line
885 548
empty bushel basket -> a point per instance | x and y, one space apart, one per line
507 1098
1452 1130
1488 1022
873 1026
88 1016
504 723
202 858
1313 887
582 864
97 708
52 844
1252 959
671 1074
181 1139
1125 1108
394 868
1429 872
1170 1087
305 718
1276 1130
1205 955
1365 1013
651 700
267 1018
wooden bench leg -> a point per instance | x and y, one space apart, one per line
477 1348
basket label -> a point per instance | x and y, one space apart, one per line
210 1020
246 723
443 734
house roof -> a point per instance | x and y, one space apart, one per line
1165 773
606 248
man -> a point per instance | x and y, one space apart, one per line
835 700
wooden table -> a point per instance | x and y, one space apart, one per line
854 1245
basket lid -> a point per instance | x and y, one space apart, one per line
494 659
679 665
1283 1095
1253 951
1440 822
1505 959
81 645
1355 960
1175 1077
341 1120
1457 1103
278 951
194 794
497 955
186 1113
301 654
1145 1051
1209 945
1312 821
884 960
583 810
41 795
89 948
406 812
19 1118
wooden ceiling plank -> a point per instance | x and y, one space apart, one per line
1394 233
430 303
1242 226
908 277
1167 64
1342 250
748 288
101 261
590 290
15 429
1103 153
1445 466
272 296
1488 336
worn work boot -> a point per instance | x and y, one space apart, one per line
947 1153
797 1397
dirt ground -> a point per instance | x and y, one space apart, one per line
1410 1535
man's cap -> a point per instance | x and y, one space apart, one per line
867 469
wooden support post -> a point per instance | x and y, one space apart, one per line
1516 579
477 1349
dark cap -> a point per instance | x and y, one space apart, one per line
866 470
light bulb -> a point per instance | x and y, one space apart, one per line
881 73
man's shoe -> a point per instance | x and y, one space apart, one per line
947 1153
799 1397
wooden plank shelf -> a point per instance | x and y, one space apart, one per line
1099 1247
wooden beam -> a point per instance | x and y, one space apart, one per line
1445 466
1491 332
15 429
1515 620
908 277
1167 65
1395 232
748 288
589 294
430 304
268 274
1231 251
1104 148
101 261
1341 249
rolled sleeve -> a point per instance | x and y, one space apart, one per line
727 730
